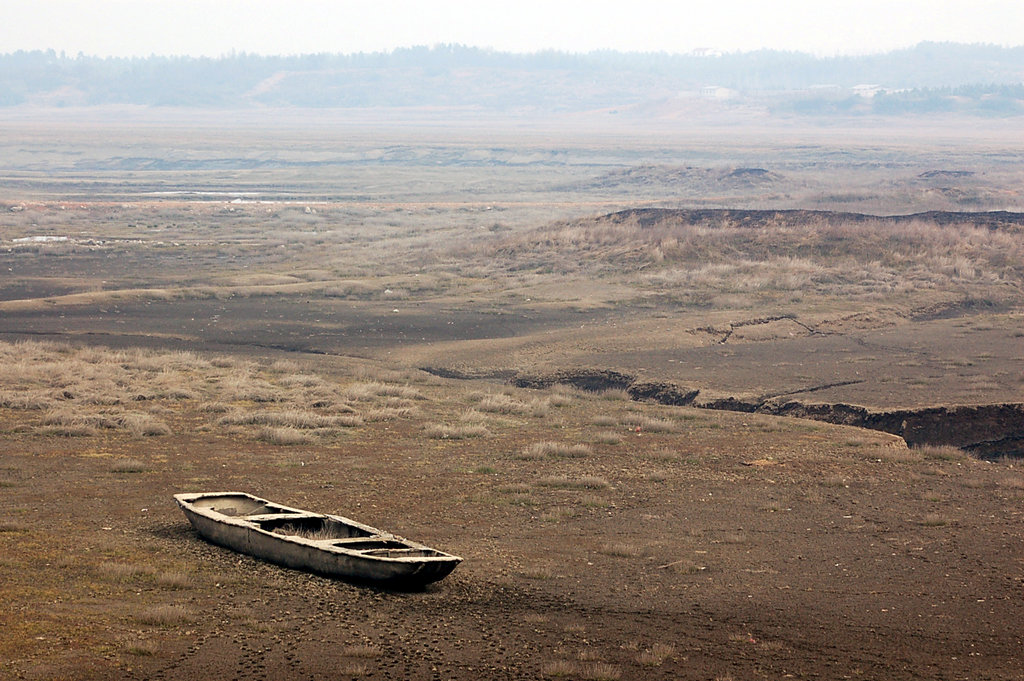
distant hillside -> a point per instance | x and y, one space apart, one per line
930 77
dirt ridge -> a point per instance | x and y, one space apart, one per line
988 431
757 321
647 217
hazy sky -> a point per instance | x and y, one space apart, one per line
216 27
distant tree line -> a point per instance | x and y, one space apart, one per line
982 100
927 77
992 100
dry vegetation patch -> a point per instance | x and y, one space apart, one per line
574 482
642 423
372 390
294 418
550 449
128 466
502 404
86 391
284 435
607 438
455 432
777 254
656 655
165 615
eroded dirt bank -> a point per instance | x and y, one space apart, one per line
987 430
647 217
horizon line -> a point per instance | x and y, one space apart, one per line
704 52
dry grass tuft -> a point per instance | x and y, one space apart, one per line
684 567
214 407
772 646
250 389
143 425
560 668
165 615
601 671
935 520
1015 482
565 482
122 572
503 404
70 430
656 655
538 572
364 650
67 422
404 392
372 390
285 435
444 432
607 437
893 455
941 452
593 501
622 550
354 670
548 449
142 648
347 421
175 580
128 466
25 400
473 416
538 409
559 400
658 426
648 424
379 414
295 419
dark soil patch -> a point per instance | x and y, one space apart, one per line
648 217
297 324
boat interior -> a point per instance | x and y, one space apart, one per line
311 527
285 521
344 536
388 549
240 505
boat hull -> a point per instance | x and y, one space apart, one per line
326 544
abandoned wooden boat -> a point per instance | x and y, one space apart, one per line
326 544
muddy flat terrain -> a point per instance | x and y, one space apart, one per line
668 442
735 546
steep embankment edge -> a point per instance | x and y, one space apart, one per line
988 431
